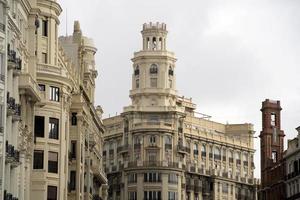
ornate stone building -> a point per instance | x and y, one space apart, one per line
161 148
292 168
53 132
3 67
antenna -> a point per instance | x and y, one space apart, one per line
66 22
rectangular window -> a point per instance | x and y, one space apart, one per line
42 87
273 119
52 193
172 178
152 195
152 177
74 119
53 128
73 149
274 156
73 180
172 195
44 58
132 195
45 28
52 162
132 178
39 126
54 93
38 159
153 82
152 156
137 83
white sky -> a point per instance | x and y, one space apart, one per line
231 54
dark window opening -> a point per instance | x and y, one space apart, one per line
73 149
39 126
45 28
74 119
42 87
52 193
38 159
73 180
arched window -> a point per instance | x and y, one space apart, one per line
203 150
137 71
230 156
238 157
217 153
153 69
171 72
195 149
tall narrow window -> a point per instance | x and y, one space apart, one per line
203 150
73 149
273 119
54 93
137 83
196 149
274 156
53 128
73 180
137 71
171 72
38 159
39 126
52 162
52 193
152 139
44 58
45 28
153 69
74 119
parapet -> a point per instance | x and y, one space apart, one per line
154 26
271 104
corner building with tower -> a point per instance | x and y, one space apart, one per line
159 147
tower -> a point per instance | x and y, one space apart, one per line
271 139
153 80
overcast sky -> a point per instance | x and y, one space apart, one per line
231 54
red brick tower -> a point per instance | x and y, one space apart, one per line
271 144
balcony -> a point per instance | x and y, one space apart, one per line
27 83
161 164
183 149
152 125
12 155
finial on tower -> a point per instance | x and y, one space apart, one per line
77 27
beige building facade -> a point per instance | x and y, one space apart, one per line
52 133
159 147
292 168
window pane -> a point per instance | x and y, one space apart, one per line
52 162
52 193
53 128
39 126
38 159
